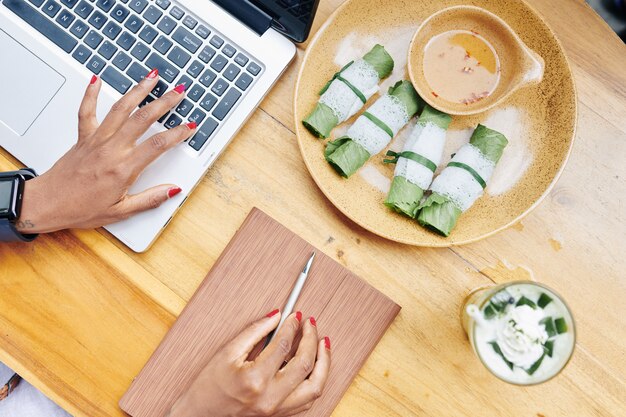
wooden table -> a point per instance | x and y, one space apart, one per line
80 313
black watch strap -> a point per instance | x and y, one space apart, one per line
8 232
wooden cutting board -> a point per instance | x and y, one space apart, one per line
254 275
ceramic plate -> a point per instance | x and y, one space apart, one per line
539 121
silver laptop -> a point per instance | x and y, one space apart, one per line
228 53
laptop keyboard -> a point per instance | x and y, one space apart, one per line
122 40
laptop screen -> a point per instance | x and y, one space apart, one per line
291 17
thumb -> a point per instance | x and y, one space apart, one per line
149 199
240 347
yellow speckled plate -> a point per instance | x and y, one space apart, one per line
539 121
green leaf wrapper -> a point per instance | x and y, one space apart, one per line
434 116
404 196
347 156
322 120
436 213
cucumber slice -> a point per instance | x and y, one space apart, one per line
548 323
496 348
489 311
525 301
561 325
549 347
544 300
535 366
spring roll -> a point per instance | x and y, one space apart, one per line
416 164
348 90
374 129
462 182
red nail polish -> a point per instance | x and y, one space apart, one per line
327 342
272 313
173 191
299 316
152 74
180 88
192 125
312 320
93 80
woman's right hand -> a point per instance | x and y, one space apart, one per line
230 385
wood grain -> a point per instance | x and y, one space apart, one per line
82 345
254 274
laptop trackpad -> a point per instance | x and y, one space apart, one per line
28 85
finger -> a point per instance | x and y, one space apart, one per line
158 144
87 121
144 117
275 354
312 388
146 200
286 413
121 110
299 368
240 347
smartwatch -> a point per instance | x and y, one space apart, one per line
11 195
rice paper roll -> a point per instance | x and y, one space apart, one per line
418 161
374 129
348 90
462 182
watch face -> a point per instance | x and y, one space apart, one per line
6 188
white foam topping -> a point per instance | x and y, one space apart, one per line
428 141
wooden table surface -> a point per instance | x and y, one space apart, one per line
80 314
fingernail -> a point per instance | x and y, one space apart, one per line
299 316
312 320
327 342
173 191
192 125
93 80
152 74
272 313
180 88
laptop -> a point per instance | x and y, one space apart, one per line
228 53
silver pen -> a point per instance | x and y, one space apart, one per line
293 297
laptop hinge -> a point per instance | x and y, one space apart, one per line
248 14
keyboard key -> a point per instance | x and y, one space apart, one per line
163 44
186 81
96 64
166 70
122 60
69 3
162 119
97 19
197 116
207 77
138 5
219 62
203 134
231 72
152 14
184 107
116 80
195 93
111 30
159 89
244 81
163 4
206 54
81 54
83 9
79 29
147 100
65 18
190 22
140 51
134 23
187 40
203 32
241 59
41 24
227 103
105 5
166 25
107 50
51 8
208 102
147 34
137 72
217 41
195 68
219 87
173 121
229 50
126 41
179 57
177 12
93 39
120 13
37 3
254 68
